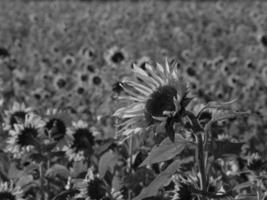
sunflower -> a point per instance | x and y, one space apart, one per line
157 94
255 162
23 137
92 188
115 56
117 195
83 140
15 115
9 192
56 125
88 53
183 187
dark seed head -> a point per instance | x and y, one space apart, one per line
27 136
118 57
264 40
190 71
56 128
83 140
161 100
91 68
80 90
97 80
37 96
61 83
255 163
184 192
84 77
4 53
7 196
96 189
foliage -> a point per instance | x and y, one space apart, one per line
68 63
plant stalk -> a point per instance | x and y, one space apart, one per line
201 162
42 193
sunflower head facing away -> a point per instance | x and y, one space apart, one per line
158 92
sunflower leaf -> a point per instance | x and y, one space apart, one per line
244 185
4 166
59 170
106 162
166 150
162 179
169 128
223 148
66 194
141 176
219 115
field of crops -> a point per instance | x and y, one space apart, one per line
87 113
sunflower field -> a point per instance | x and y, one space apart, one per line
133 100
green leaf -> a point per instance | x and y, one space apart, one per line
219 105
66 194
166 150
106 162
244 185
221 110
142 176
224 148
4 166
78 168
50 146
161 179
38 157
246 197
24 180
219 115
14 173
169 128
104 146
59 170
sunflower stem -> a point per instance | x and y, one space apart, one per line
200 150
130 162
42 193
201 161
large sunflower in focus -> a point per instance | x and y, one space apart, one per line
158 93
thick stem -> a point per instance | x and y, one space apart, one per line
130 162
201 161
42 193
200 151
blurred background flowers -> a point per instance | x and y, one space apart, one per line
70 54
59 57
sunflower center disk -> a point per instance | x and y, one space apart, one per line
57 128
159 101
83 140
27 136
7 196
96 189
